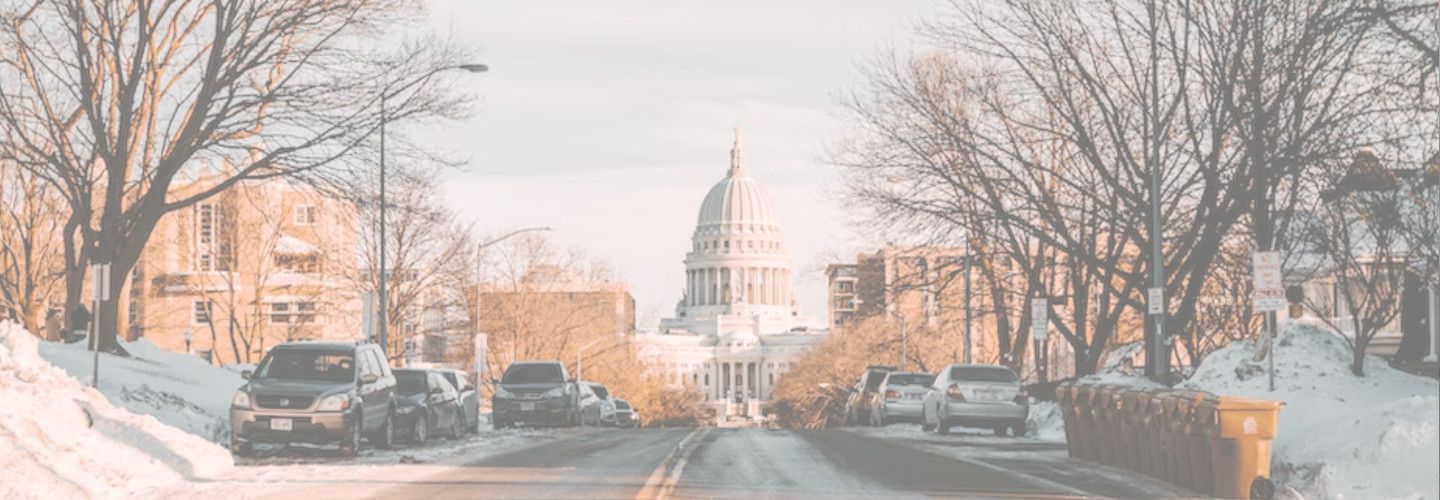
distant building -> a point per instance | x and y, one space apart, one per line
737 327
550 300
920 282
259 263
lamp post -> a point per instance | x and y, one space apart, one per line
901 318
476 319
384 285
579 358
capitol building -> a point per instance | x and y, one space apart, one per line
737 328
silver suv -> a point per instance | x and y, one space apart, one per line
315 392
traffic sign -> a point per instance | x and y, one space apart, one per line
1040 319
1269 282
1155 301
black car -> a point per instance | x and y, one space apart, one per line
426 403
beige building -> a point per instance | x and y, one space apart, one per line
258 264
923 283
547 307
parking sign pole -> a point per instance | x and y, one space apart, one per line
100 283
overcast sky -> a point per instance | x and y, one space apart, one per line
611 120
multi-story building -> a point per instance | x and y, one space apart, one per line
547 304
919 282
259 263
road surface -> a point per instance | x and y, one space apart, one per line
751 463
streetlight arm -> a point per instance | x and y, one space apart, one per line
513 233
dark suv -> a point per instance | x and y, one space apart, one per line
315 392
535 392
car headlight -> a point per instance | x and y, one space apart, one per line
240 400
334 402
555 393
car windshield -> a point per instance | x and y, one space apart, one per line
910 379
409 382
297 364
600 391
872 383
983 374
533 374
621 405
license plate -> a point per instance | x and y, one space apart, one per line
281 424
527 406
987 394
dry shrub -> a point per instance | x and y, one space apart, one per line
812 394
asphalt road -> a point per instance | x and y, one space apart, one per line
751 463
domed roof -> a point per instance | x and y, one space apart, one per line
738 198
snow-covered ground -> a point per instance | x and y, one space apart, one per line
62 439
181 390
1340 436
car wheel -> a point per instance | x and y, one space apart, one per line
1000 431
241 449
497 423
350 445
421 431
385 437
942 428
1018 429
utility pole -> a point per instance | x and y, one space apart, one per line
969 344
1157 364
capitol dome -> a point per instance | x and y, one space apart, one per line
737 200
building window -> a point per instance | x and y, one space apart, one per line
204 237
284 313
298 263
202 310
707 379
304 215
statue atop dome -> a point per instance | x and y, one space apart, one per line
737 162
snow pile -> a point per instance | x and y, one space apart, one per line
1340 435
1046 422
180 390
59 438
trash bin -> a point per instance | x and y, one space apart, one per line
1064 396
1129 418
1201 429
1240 447
1077 442
1150 435
1103 412
1172 443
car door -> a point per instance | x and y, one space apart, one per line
376 395
469 399
440 403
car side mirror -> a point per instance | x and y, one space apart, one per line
246 374
437 390
369 378
495 381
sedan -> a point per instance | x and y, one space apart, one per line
469 397
625 415
426 403
901 398
976 396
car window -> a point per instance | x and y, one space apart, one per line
620 404
913 379
983 374
600 391
381 368
299 364
410 382
445 387
450 377
533 374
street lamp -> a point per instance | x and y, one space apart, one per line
901 317
579 358
476 320
384 286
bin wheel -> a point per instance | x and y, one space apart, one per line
1262 488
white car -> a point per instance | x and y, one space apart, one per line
900 398
976 396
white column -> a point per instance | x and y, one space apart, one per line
1434 307
760 374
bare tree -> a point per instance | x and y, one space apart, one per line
31 216
110 102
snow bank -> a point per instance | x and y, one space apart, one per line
1045 422
180 390
59 438
1341 436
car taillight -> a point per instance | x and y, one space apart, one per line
892 394
954 392
1022 396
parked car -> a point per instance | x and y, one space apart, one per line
976 396
315 392
469 397
625 415
535 392
597 408
426 403
862 395
901 398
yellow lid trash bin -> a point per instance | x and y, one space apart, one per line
1240 457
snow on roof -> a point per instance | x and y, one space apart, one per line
290 245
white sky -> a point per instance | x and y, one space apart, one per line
610 120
